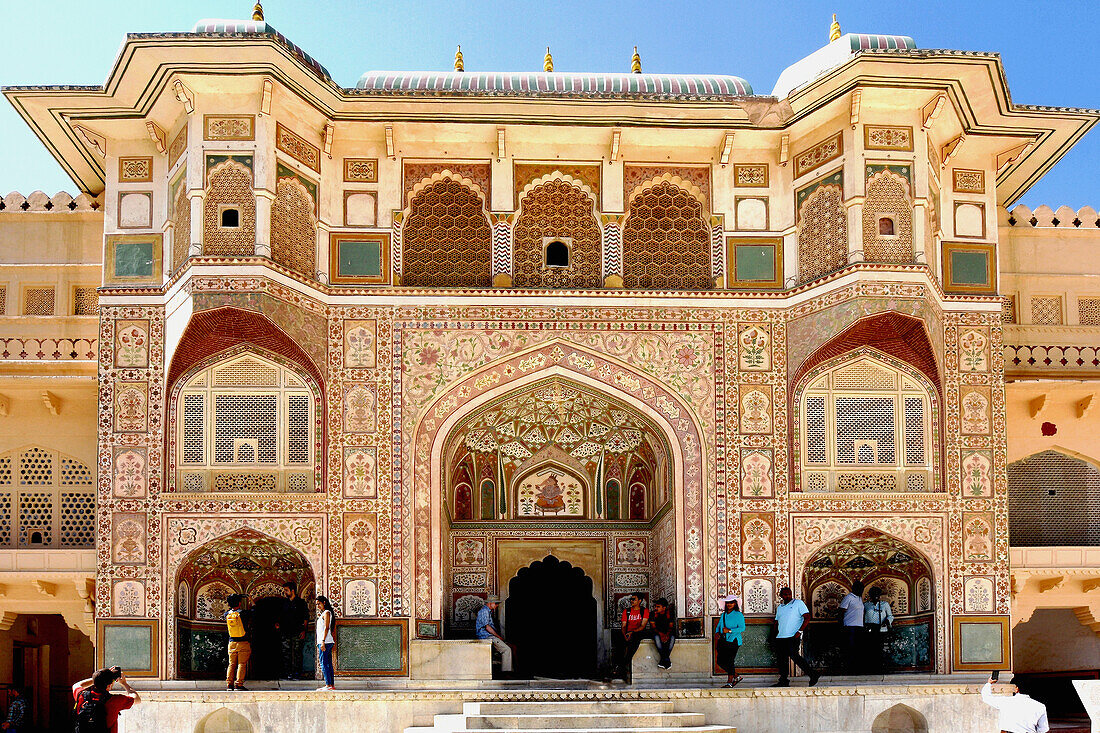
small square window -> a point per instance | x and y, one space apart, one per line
230 217
886 226
557 253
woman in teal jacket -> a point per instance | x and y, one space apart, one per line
728 631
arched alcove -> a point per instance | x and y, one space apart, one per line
1040 487
245 562
224 720
899 719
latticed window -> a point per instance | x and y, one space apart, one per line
47 500
246 424
866 427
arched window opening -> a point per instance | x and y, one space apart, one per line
231 217
866 427
1040 487
47 499
885 226
557 254
246 424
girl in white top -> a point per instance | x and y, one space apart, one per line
326 624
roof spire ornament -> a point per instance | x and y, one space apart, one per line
459 66
834 30
635 62
258 11
548 62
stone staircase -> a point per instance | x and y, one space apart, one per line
569 716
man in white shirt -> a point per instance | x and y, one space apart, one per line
851 620
878 618
791 617
1017 713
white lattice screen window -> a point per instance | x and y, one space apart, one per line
1046 310
38 301
1088 310
246 425
866 427
47 500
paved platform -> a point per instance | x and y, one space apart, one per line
835 705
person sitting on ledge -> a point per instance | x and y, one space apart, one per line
1016 712
663 622
635 621
485 629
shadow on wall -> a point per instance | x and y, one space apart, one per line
224 720
899 719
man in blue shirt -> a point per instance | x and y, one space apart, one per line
485 630
791 617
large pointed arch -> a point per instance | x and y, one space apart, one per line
424 456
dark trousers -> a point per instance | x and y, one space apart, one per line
727 656
788 649
874 654
292 656
623 651
853 648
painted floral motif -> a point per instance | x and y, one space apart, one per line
924 595
361 472
360 346
361 539
128 545
756 473
131 407
755 354
756 538
973 351
469 552
360 413
978 595
132 344
129 598
210 601
759 597
975 413
130 481
183 604
359 595
755 412
630 552
977 477
978 538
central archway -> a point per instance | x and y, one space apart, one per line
552 620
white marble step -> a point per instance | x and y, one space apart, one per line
586 721
643 729
552 707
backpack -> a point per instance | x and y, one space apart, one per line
91 711
235 624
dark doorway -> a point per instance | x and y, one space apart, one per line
267 652
551 618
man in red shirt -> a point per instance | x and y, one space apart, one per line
635 620
101 683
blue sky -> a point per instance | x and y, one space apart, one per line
1048 49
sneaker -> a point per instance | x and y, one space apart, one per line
242 688
782 683
814 678
322 689
229 687
330 688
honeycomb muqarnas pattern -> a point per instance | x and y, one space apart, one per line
293 235
666 242
446 241
822 233
230 184
557 209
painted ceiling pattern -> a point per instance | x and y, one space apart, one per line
863 555
246 554
580 423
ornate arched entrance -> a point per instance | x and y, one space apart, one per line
878 560
564 467
552 620
246 562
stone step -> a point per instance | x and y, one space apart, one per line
585 721
640 729
552 707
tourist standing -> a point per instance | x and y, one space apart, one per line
791 618
326 640
635 620
728 632
96 707
485 629
663 622
1016 712
851 621
238 621
878 617
292 627
17 712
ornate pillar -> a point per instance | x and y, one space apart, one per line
197 220
612 250
264 201
718 250
502 249
395 246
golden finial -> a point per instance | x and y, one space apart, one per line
458 60
548 62
834 30
258 11
635 62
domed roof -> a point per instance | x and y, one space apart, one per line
836 53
